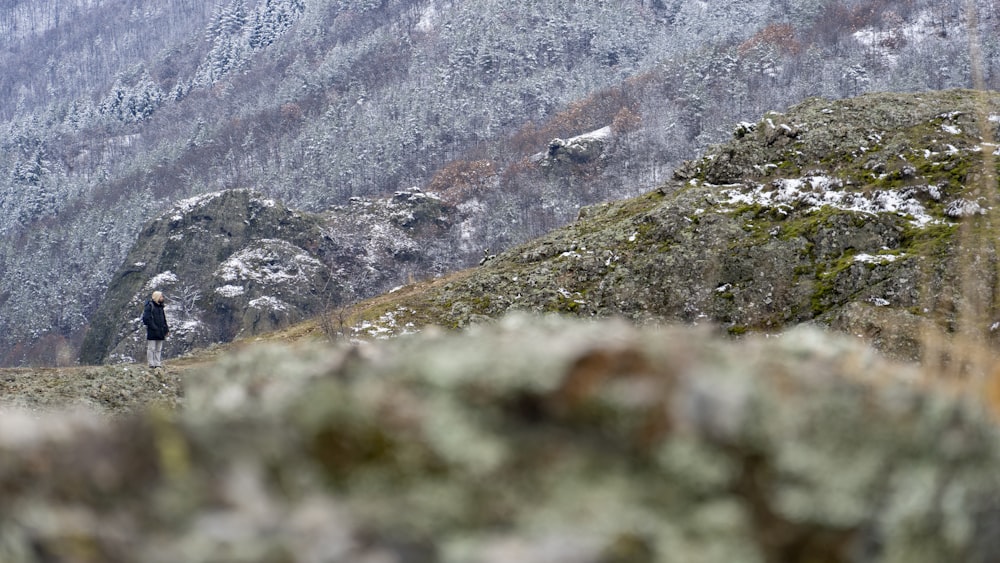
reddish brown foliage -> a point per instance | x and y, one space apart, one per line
625 121
597 110
779 36
462 179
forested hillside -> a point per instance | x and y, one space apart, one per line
113 110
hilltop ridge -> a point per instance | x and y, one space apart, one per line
844 213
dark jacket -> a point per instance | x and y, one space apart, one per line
155 321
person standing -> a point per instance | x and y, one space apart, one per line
156 329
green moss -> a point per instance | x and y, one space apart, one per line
481 303
789 167
803 270
643 235
888 181
930 240
748 212
957 170
600 217
824 297
807 225
572 304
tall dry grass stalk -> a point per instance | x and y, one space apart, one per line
966 359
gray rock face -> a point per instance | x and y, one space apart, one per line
533 439
582 149
226 261
221 260
235 263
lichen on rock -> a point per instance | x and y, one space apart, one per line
531 439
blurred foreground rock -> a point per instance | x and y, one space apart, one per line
531 440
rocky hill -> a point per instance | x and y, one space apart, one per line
872 215
236 264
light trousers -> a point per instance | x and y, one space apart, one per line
154 349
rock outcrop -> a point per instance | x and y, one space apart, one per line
587 148
535 440
839 212
235 263
227 261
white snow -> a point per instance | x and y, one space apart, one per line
601 134
428 19
230 290
385 326
265 264
190 204
916 32
597 134
820 191
269 303
161 279
963 208
185 326
877 259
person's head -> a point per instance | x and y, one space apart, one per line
158 296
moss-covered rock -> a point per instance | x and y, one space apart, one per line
799 216
534 439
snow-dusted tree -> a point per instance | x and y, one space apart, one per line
856 78
236 34
272 20
228 20
134 97
185 299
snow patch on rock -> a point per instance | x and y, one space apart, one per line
230 290
162 279
267 264
820 191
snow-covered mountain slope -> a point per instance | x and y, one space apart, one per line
112 111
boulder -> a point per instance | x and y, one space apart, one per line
539 439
